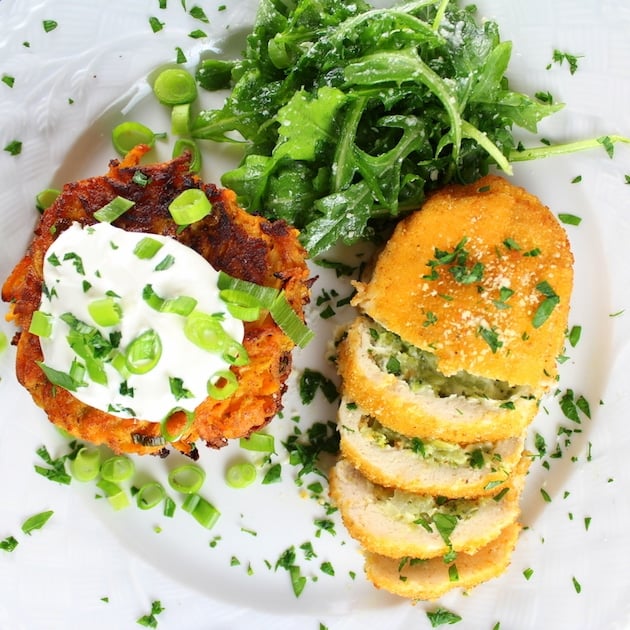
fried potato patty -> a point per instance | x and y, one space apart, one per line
243 245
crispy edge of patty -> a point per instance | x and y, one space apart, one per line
243 245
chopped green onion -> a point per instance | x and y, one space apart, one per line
264 295
175 86
147 248
240 475
241 304
105 311
181 305
205 331
129 134
180 119
4 342
117 468
202 510
149 495
277 304
46 198
288 320
222 384
259 442
86 464
166 434
119 363
114 493
190 206
234 352
41 324
113 210
144 352
169 507
187 478
186 144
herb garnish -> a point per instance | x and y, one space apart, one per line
441 617
549 303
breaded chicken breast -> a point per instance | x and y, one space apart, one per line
244 246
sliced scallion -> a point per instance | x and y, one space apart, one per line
187 478
46 198
41 324
205 331
241 304
113 210
175 86
288 320
105 311
147 248
117 468
262 294
189 206
222 384
116 496
240 475
235 353
202 510
259 442
144 352
149 495
129 134
174 437
86 464
180 119
186 144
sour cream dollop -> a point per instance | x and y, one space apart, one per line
87 264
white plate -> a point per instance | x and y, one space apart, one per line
71 85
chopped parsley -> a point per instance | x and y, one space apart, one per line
8 544
559 57
14 147
155 24
150 620
37 521
49 25
441 617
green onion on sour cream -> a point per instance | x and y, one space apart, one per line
119 330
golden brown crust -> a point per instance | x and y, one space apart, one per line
243 245
391 400
430 579
520 245
372 524
395 467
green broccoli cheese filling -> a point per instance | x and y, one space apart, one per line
478 455
418 369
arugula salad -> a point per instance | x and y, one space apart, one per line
351 114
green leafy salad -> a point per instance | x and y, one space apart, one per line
351 113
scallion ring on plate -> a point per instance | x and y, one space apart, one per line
187 478
175 86
117 468
202 510
240 475
128 134
149 495
86 464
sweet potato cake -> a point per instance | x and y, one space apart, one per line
244 246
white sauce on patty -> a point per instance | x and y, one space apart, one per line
89 263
